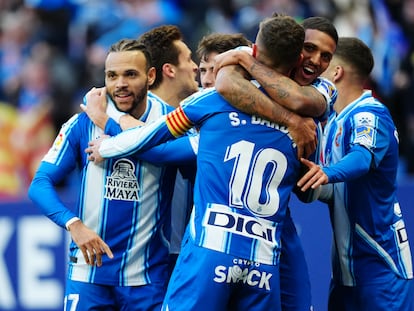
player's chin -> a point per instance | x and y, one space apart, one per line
124 106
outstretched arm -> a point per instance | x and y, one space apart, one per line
167 127
355 164
174 152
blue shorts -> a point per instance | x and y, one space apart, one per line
204 279
81 296
395 295
294 275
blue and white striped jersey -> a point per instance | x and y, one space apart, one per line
246 169
329 92
370 239
125 200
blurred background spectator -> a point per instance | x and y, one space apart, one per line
52 52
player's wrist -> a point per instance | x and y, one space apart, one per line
70 222
291 119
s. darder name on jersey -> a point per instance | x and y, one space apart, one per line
122 184
236 121
240 224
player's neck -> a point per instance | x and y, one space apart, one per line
166 95
346 95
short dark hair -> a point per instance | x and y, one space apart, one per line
160 43
125 45
355 53
283 38
322 24
219 43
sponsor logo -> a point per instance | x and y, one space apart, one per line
240 224
122 184
235 274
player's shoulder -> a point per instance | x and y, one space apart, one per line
201 95
369 103
76 120
326 86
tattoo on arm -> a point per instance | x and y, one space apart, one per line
304 100
248 98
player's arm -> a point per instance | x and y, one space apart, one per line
182 150
251 100
58 163
43 193
134 140
355 164
304 100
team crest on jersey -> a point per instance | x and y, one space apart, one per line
338 136
122 184
364 128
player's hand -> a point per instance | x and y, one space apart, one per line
227 58
313 178
91 244
93 150
303 132
96 106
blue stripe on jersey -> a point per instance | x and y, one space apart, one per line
362 233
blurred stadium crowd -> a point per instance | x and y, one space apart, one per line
52 52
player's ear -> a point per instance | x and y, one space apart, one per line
300 60
339 72
151 75
168 69
254 50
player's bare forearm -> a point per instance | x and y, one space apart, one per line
245 96
304 100
232 84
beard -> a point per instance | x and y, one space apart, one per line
138 99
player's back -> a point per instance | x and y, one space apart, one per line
247 168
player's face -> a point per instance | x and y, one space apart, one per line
318 49
207 78
186 71
126 80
